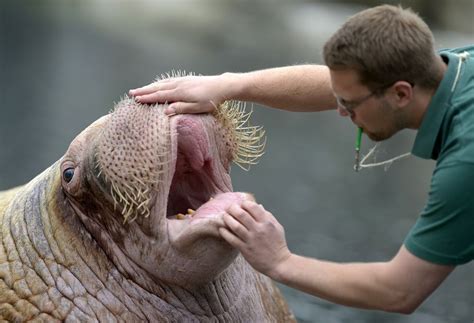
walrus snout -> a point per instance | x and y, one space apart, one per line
132 154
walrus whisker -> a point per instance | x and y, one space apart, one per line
117 191
130 196
244 120
127 187
113 198
146 191
142 206
247 139
138 180
127 215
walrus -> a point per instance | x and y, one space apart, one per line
124 226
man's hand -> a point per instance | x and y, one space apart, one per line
188 94
377 285
257 235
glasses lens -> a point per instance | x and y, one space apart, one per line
345 106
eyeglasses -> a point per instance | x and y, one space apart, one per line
350 106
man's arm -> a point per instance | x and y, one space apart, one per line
399 285
292 88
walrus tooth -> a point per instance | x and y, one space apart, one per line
180 216
191 212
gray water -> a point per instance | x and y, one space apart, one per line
63 65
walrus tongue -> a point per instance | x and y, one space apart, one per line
219 204
205 221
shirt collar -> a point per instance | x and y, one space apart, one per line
424 146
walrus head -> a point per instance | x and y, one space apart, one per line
130 173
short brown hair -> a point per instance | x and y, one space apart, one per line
383 45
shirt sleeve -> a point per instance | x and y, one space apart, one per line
444 231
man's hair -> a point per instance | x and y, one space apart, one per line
383 45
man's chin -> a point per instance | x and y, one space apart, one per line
377 137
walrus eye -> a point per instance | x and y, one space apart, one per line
68 174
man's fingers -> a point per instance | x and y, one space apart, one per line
233 240
144 89
236 227
188 107
157 97
255 210
153 87
241 215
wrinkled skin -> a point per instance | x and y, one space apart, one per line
66 252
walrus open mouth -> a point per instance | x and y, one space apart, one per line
200 173
196 179
142 153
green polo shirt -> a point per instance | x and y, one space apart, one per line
444 232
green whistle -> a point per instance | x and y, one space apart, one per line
357 149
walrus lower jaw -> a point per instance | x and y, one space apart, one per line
205 221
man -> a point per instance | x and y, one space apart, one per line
383 72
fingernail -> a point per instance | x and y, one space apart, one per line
170 111
131 92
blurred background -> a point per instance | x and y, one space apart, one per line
65 63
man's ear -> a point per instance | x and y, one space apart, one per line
402 93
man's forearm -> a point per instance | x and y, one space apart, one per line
292 88
352 284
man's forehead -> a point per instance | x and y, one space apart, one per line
345 80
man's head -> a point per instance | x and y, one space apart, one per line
376 59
